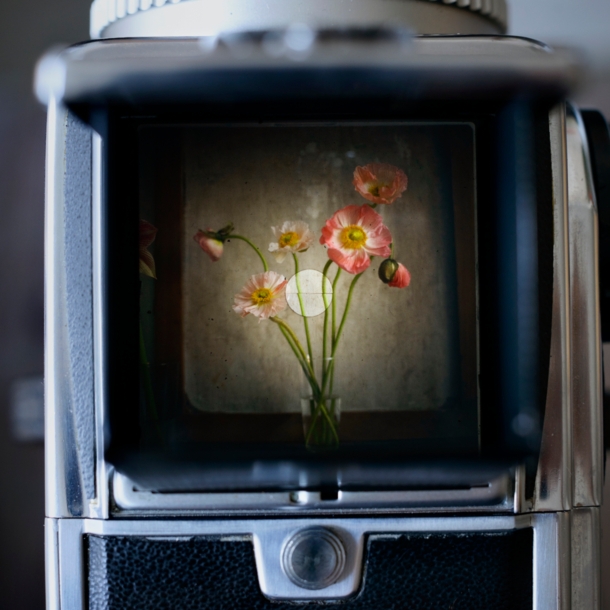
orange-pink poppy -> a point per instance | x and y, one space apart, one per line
380 182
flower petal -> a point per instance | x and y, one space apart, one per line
211 246
402 277
147 263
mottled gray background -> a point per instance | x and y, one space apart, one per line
400 348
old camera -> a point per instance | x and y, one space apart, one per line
323 310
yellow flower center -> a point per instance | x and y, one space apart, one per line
262 296
353 237
373 188
289 239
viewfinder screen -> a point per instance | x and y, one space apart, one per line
309 287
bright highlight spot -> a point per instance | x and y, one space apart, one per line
314 286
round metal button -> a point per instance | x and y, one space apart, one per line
313 558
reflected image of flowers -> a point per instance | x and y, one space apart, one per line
264 295
147 236
291 237
354 234
380 182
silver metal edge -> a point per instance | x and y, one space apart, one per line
56 504
131 502
551 552
100 507
553 487
587 428
586 559
51 551
72 561
552 571
163 17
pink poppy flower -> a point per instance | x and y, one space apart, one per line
380 182
147 236
264 295
353 235
291 237
402 277
209 243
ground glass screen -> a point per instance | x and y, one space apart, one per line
310 285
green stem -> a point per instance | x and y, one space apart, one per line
303 313
321 408
340 331
325 332
312 377
335 305
260 254
392 250
296 352
148 389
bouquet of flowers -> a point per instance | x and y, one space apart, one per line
353 236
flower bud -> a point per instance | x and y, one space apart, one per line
387 270
210 244
402 277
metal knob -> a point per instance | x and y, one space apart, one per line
314 558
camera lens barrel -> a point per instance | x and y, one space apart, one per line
136 18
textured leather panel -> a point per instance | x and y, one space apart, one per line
419 572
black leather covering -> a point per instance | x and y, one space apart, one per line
414 572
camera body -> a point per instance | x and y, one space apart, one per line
490 499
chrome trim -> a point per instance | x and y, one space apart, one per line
55 503
552 561
72 565
586 559
112 18
553 488
587 425
51 552
100 506
497 497
448 66
551 570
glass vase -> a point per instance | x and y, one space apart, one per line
320 406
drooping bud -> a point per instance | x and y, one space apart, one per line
387 270
209 244
212 242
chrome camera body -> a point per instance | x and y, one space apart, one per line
466 468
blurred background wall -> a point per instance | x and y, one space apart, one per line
27 28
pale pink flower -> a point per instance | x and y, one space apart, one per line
380 182
209 243
291 237
352 235
147 236
402 277
264 295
